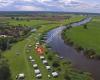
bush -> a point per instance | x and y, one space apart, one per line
50 57
90 53
66 77
79 48
55 64
59 69
4 70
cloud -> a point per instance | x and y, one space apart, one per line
25 0
50 5
4 3
28 8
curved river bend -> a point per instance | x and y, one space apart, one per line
79 61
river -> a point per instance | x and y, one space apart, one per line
79 61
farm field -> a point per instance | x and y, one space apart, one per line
86 38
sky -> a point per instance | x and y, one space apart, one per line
51 5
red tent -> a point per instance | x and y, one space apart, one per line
40 50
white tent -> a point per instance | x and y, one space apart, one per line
35 65
54 74
42 57
48 67
38 75
37 71
45 61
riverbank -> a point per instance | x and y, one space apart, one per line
82 39
78 60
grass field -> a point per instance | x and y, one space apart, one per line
20 64
87 38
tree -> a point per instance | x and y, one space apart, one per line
12 17
4 70
85 26
50 57
4 43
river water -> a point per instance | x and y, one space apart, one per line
78 60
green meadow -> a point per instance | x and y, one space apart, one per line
87 38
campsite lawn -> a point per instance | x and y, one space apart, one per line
87 38
20 63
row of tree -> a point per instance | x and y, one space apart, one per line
4 69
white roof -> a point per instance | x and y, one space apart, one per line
45 61
37 71
3 36
42 57
54 74
35 65
48 67
39 75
